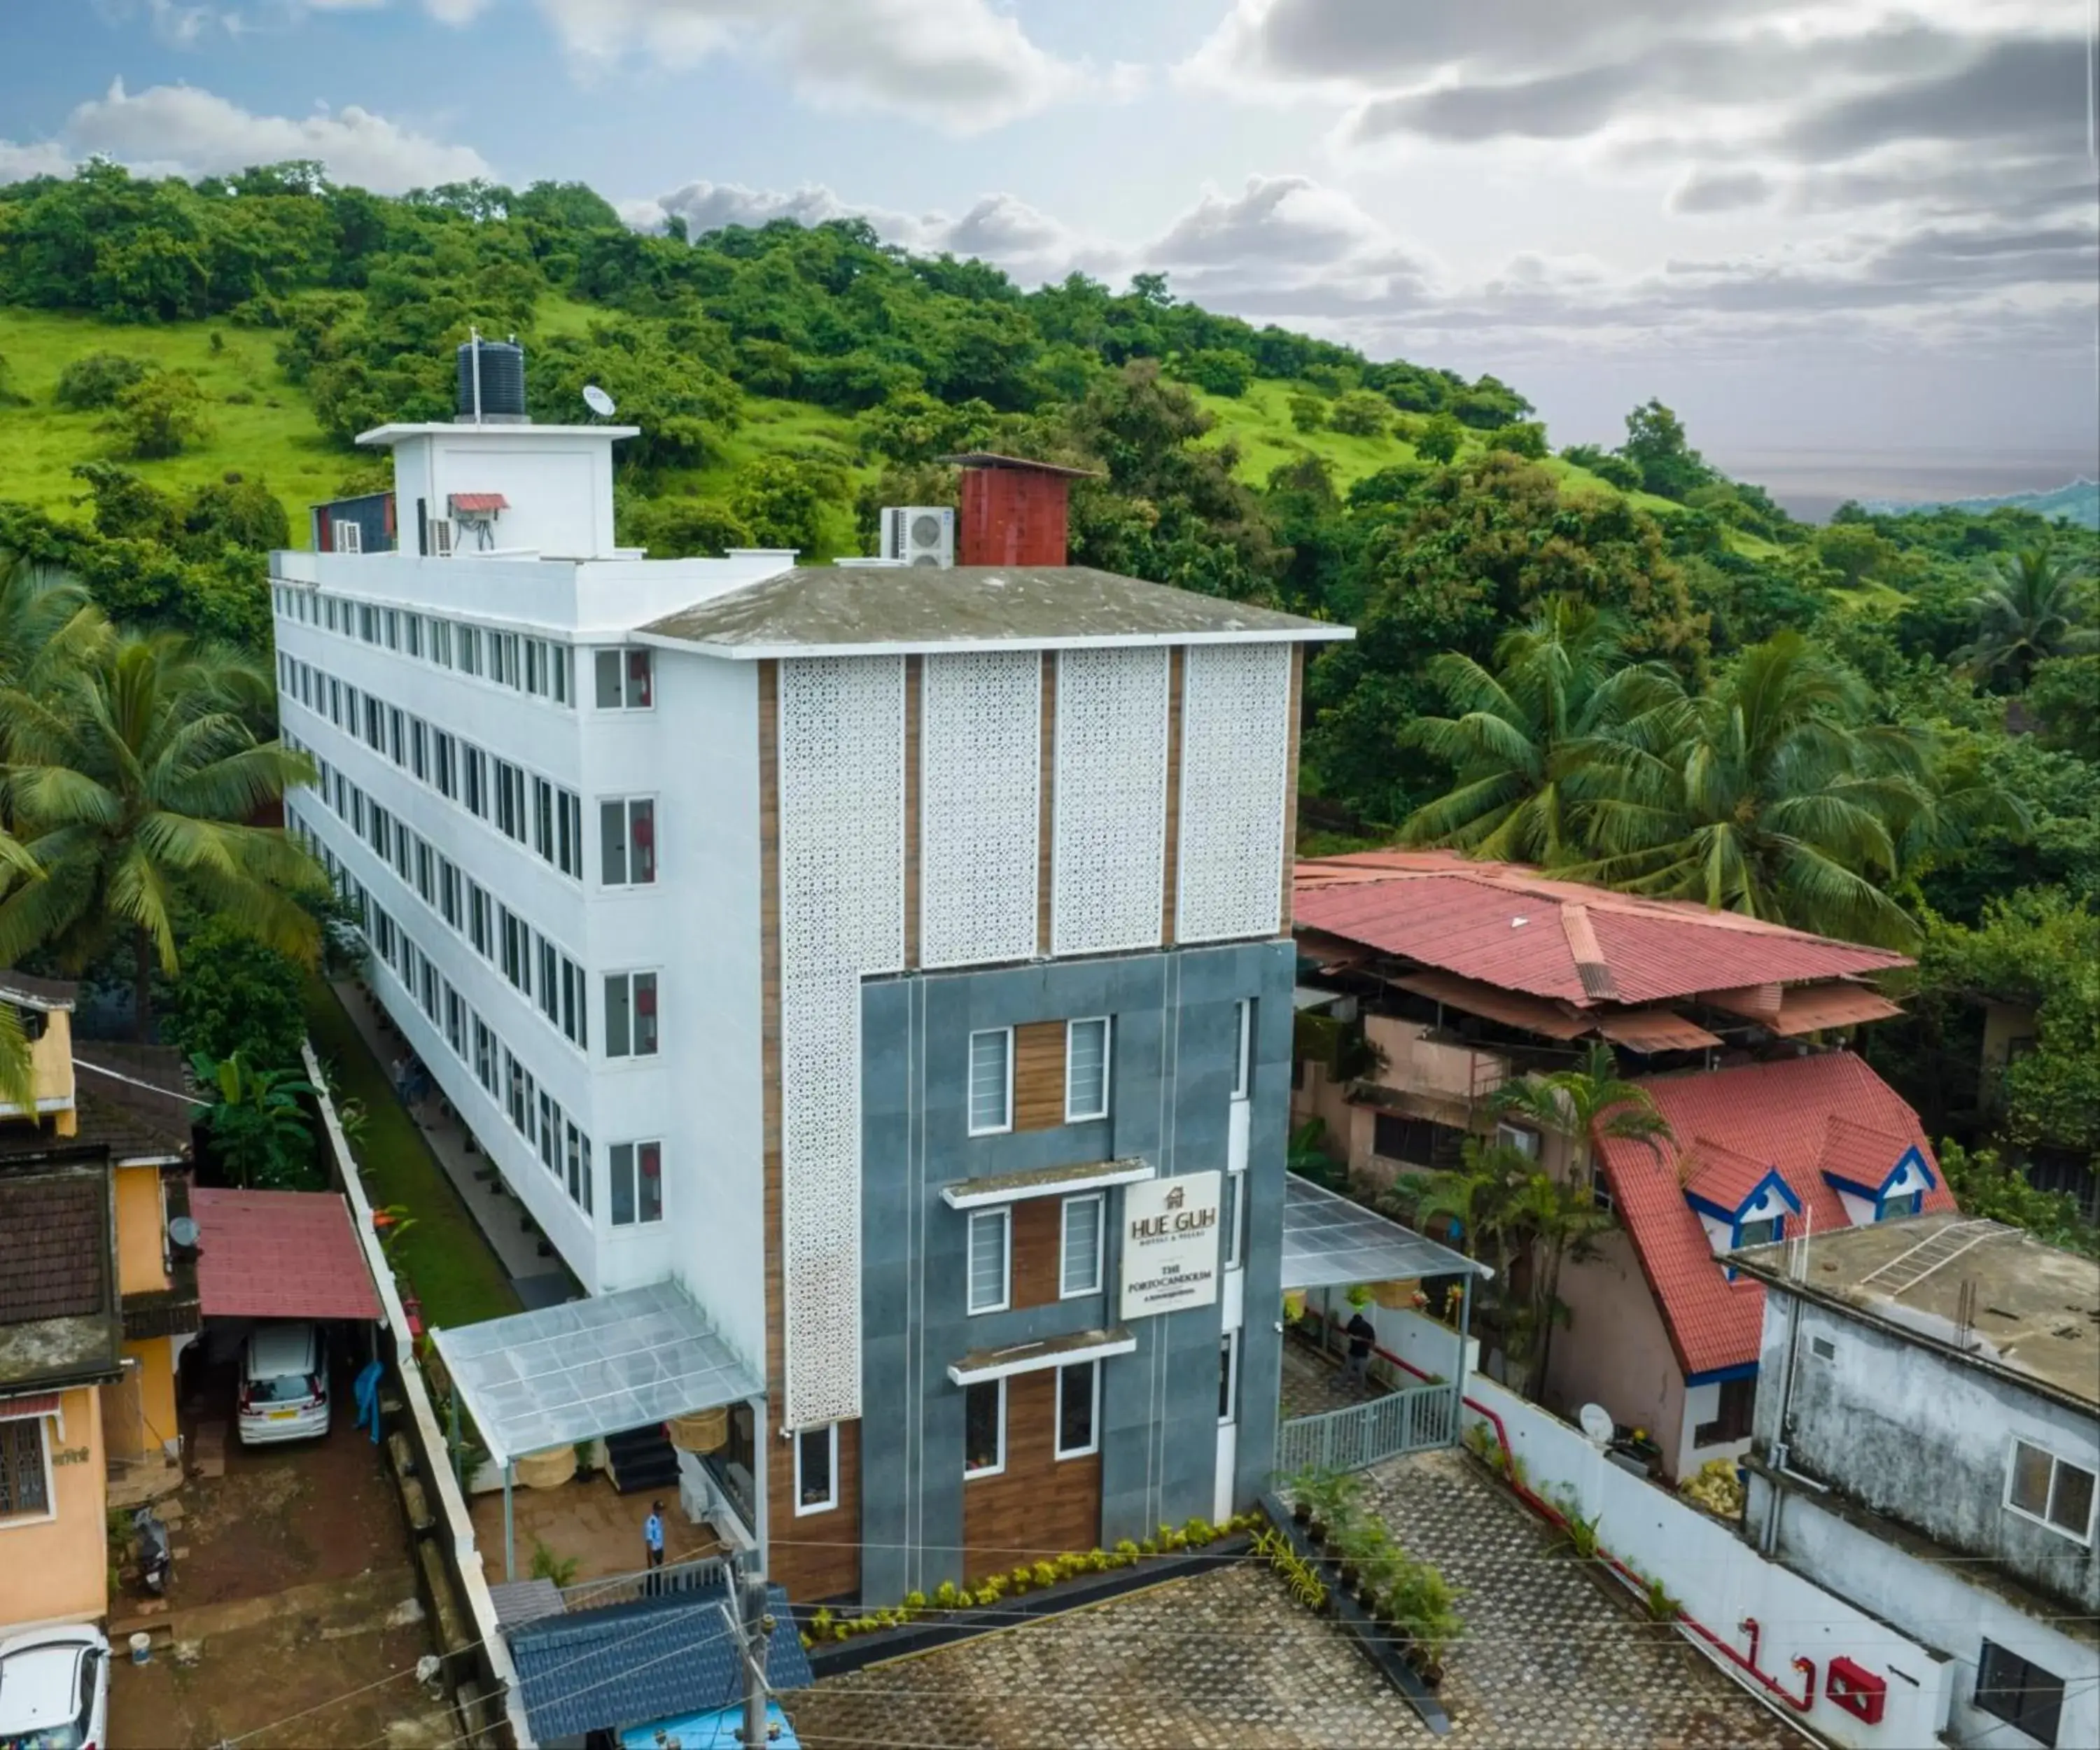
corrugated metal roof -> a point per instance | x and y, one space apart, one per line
814 609
1775 1114
1532 1014
1510 926
280 1254
1821 1006
607 1669
38 993
1655 1030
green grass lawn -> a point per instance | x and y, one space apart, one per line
459 1280
271 436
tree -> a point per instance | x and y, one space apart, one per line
260 1134
1524 437
781 501
1615 470
1586 1104
134 787
1854 551
1558 682
1995 1189
1362 414
2033 610
160 414
1771 794
49 629
1216 370
2064 693
1440 438
1308 412
1656 444
95 379
237 999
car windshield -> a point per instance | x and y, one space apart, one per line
286 1388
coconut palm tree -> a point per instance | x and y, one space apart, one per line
1559 1214
1770 795
2033 608
49 629
1557 681
132 788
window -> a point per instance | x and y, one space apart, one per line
466 644
1080 1271
1243 1051
991 1081
413 630
569 833
449 906
1600 1191
626 843
623 681
1417 1141
426 874
1516 1136
25 1479
575 1004
481 921
503 664
550 1134
473 779
519 1089
992 1235
1079 1403
1233 1217
1228 1377
2019 1692
397 736
445 765
1765 1231
630 1015
1731 1419
1087 1070
543 819
455 1023
550 990
441 642
2059 1493
579 1168
984 1428
517 961
510 801
816 1469
484 1055
419 745
368 623
638 1182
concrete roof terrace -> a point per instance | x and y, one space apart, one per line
2036 1313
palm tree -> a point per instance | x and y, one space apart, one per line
1560 1215
260 1133
1558 680
1770 795
133 786
50 629
2033 608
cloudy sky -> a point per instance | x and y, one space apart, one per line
1859 229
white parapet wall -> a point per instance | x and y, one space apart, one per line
1774 1632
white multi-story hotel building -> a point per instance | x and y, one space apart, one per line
852 946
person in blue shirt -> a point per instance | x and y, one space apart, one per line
652 1533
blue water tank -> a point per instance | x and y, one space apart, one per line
502 381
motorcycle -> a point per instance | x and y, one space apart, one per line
156 1558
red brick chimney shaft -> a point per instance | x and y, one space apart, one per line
1012 516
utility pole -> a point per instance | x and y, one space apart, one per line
757 1615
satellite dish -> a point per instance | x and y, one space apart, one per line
1596 1422
182 1231
598 401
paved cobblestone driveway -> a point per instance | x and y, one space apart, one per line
1227 1662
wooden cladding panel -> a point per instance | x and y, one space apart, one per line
1046 816
1039 1075
915 667
815 1555
1039 1244
1038 1507
1290 786
1177 662
820 1563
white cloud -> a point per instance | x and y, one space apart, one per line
193 132
19 163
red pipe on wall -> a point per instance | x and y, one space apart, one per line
1546 1510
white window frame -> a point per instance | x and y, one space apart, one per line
1059 1450
1002 1214
50 1512
999 1467
2056 1461
623 654
1073 1114
1243 1049
1065 1290
627 805
1235 1186
637 1219
1228 1342
627 975
831 1429
970 1083
1526 1141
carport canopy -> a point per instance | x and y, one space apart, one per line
280 1254
539 1379
1330 1241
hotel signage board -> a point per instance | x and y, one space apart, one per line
1170 1243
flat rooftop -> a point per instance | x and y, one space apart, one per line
2036 1313
812 610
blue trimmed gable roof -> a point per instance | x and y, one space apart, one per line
1853 1157
653 1660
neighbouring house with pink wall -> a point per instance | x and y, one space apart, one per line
1428 981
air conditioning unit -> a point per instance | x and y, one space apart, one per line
919 535
441 538
349 537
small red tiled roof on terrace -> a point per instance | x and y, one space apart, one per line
1510 926
479 504
1729 1124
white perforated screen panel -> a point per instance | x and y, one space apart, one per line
1235 777
980 739
1109 803
842 742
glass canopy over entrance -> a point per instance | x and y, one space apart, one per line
1330 1241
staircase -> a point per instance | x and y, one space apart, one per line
641 1460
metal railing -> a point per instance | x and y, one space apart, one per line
1412 1420
696 1575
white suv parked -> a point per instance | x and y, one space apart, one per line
284 1384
